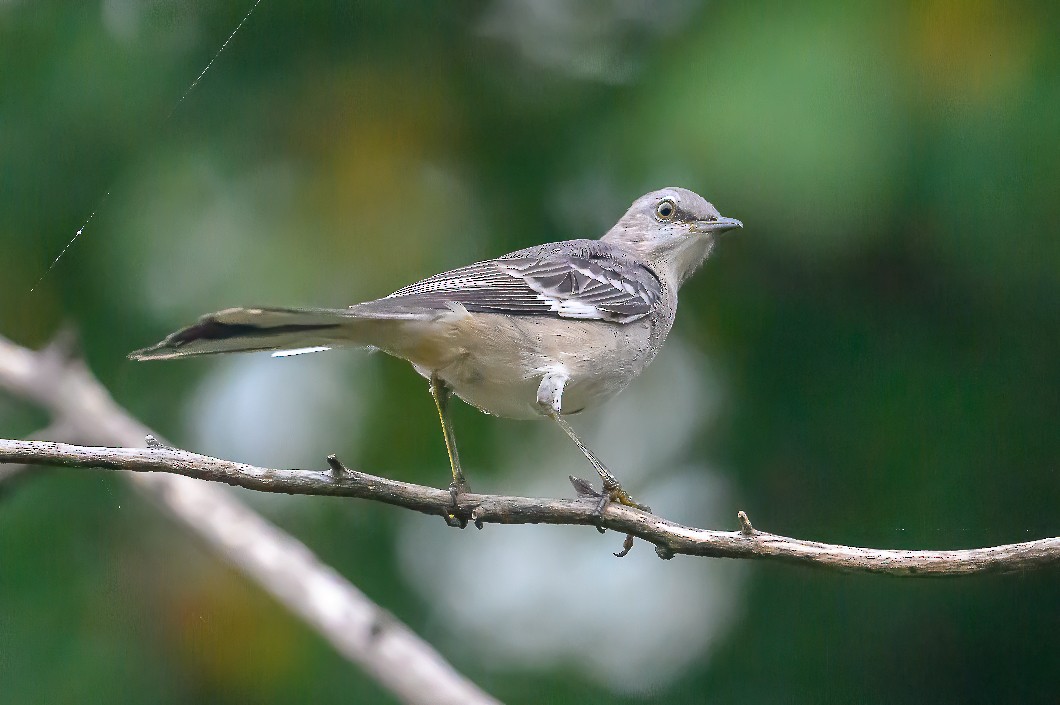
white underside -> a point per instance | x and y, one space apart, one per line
500 373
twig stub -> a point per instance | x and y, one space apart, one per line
745 524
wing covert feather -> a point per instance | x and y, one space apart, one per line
567 280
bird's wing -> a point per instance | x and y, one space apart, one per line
567 283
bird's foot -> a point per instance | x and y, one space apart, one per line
451 515
615 493
612 492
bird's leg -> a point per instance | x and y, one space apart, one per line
442 393
550 400
613 491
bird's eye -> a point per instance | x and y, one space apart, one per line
666 210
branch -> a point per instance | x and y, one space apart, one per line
10 474
356 627
669 537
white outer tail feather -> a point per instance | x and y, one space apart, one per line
301 351
285 331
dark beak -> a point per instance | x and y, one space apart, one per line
718 225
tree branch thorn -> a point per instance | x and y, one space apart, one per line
745 524
338 470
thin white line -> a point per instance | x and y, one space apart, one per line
211 62
194 83
72 240
300 351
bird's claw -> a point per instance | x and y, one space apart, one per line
612 492
585 490
454 521
627 546
452 516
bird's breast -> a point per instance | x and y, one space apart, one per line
499 360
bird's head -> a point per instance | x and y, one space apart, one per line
673 229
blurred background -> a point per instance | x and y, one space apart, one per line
872 361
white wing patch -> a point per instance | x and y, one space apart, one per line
590 288
576 279
571 308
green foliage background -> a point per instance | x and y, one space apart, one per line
886 326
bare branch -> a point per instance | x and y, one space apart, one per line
669 537
10 474
355 626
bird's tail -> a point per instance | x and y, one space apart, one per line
286 330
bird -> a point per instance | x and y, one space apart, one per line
540 333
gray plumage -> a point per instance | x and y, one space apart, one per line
574 279
544 331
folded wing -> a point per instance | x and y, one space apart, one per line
570 282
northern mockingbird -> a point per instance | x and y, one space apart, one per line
543 332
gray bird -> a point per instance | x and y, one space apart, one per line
543 332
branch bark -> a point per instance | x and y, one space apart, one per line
356 627
669 537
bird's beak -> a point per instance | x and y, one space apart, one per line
718 225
